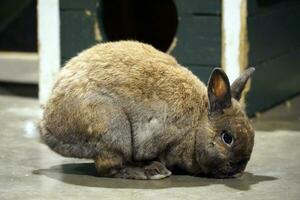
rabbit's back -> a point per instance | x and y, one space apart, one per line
133 71
160 98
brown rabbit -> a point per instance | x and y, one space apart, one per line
138 114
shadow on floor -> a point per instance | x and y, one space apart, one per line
84 174
19 89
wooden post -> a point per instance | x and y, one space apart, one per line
49 46
234 37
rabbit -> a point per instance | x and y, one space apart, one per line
140 115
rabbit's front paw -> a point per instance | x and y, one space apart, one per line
130 172
156 170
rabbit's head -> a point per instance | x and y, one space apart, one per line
225 145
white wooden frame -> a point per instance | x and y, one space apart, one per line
234 37
49 46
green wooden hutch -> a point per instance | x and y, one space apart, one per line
194 31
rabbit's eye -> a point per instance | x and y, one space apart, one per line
227 138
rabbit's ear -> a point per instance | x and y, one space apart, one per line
239 84
219 94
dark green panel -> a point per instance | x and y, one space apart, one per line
78 4
199 40
274 81
202 72
10 9
198 36
199 6
18 26
273 33
64 60
262 6
77 32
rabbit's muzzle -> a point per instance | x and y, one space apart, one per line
237 167
226 170
233 169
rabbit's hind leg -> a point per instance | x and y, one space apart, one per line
94 126
114 141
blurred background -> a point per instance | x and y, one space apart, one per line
38 36
266 33
19 47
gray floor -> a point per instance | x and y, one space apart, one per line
29 170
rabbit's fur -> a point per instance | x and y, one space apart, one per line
138 114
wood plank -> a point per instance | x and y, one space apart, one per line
273 33
19 31
202 72
263 6
199 37
234 38
77 32
201 7
274 81
78 4
9 10
19 67
192 6
49 47
198 40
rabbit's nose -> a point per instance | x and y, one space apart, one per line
238 167
238 174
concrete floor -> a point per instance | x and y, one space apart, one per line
29 170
